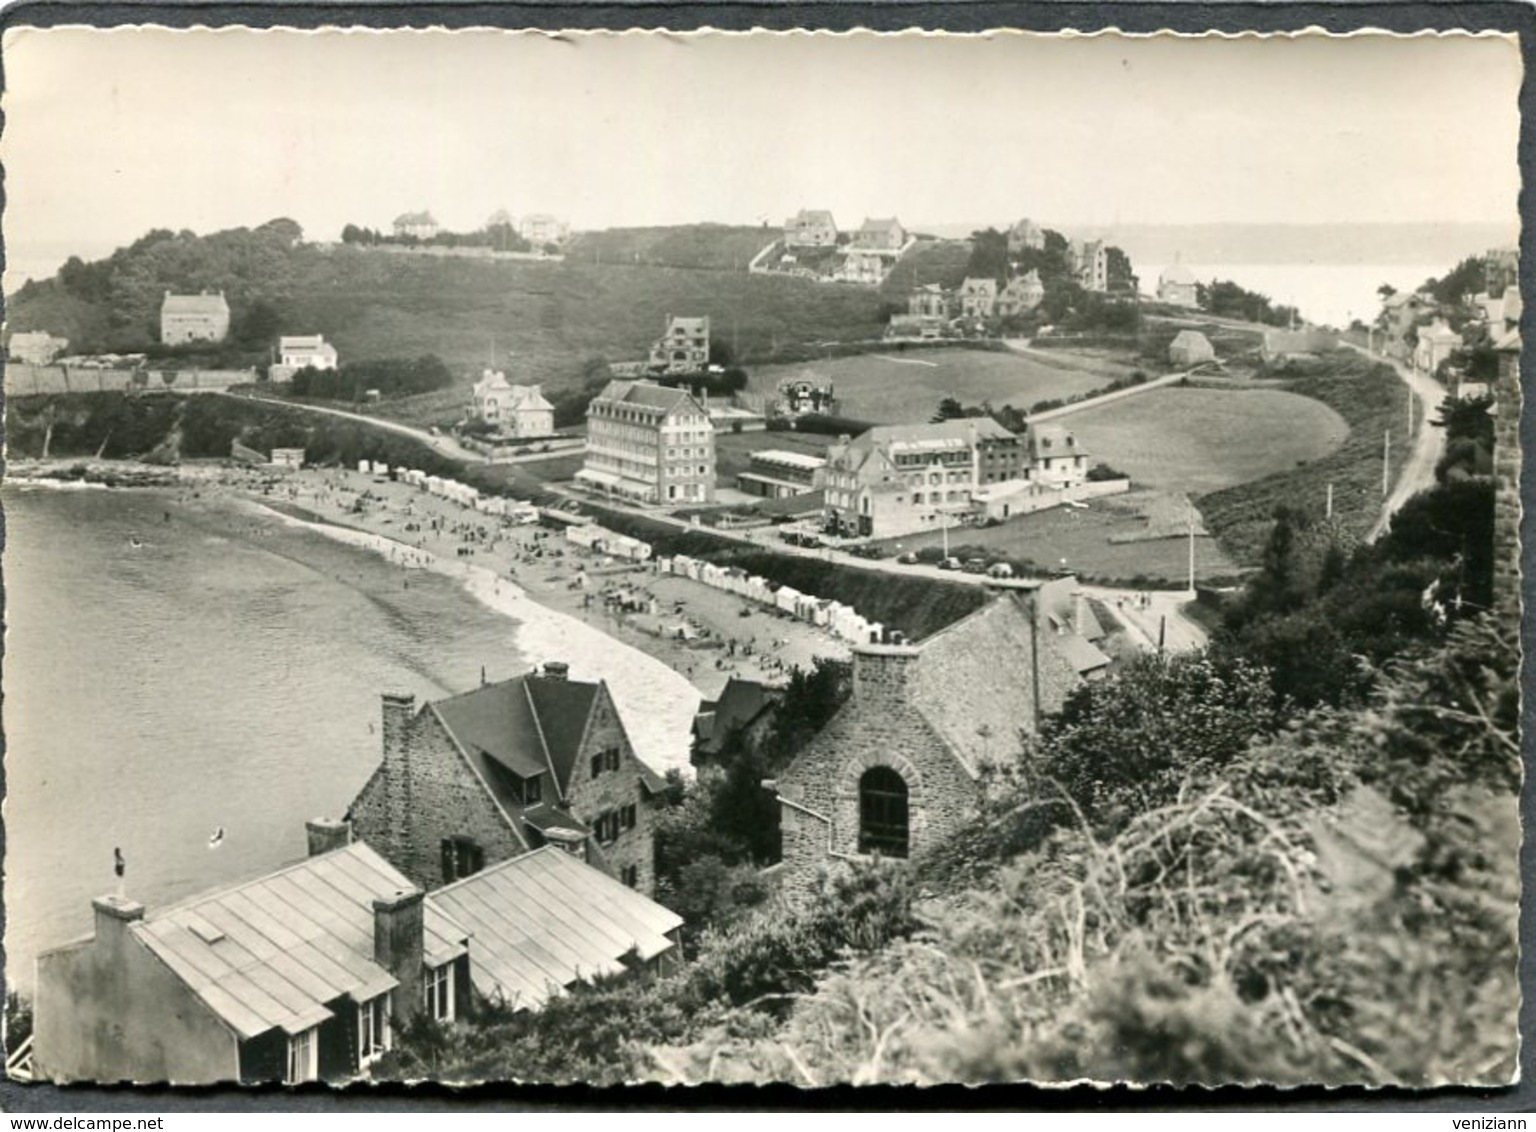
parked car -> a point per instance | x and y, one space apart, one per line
999 570
906 559
949 564
975 566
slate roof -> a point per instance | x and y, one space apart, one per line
740 703
645 393
194 304
272 952
546 920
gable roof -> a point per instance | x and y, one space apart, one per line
888 224
808 217
961 429
647 394
415 218
194 304
546 920
1178 275
304 342
978 285
498 721
527 397
741 702
272 952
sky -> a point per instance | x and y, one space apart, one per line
109 133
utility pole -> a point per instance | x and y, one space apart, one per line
1191 548
1328 509
1386 460
1410 413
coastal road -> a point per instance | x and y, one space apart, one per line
1428 447
445 445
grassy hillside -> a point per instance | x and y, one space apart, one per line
716 247
539 321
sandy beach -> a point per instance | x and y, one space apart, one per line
662 642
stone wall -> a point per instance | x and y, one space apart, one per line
879 726
591 797
1506 470
425 791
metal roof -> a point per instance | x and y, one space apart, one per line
788 459
546 920
272 952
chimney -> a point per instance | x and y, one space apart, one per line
882 673
399 708
398 930
325 834
556 669
114 916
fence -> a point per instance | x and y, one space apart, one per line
22 379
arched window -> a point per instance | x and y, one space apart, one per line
882 812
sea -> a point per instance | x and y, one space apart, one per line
187 678
1325 294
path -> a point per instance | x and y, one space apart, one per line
444 445
1418 474
1021 346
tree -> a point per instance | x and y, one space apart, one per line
949 409
989 255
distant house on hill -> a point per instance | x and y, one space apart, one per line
1055 458
1177 285
683 347
542 229
898 769
863 267
1190 348
484 776
512 410
35 347
1022 294
1089 260
810 228
978 297
880 235
1399 314
417 225
193 318
306 351
1025 235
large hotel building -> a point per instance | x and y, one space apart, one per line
649 444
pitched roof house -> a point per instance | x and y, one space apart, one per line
1177 285
544 921
421 225
743 707
513 410
811 228
295 976
1190 348
487 775
35 347
1022 294
978 297
193 318
880 235
898 769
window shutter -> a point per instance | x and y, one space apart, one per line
447 849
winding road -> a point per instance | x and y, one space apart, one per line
1428 446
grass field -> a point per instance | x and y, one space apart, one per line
1203 440
895 388
1066 538
1370 398
732 449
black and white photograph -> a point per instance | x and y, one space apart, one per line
761 557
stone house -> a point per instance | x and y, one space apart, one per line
897 770
512 410
1090 264
978 297
193 318
863 267
1190 348
541 229
811 228
487 775
296 976
1022 294
1400 313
